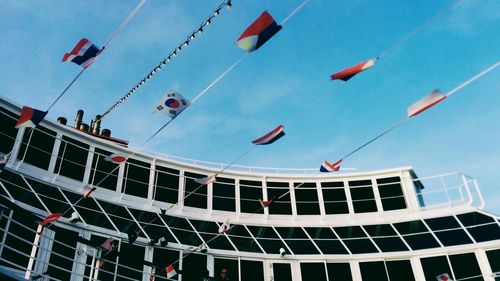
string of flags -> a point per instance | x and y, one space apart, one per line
196 32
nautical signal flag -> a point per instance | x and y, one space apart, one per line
224 227
87 190
261 30
84 53
265 203
30 117
51 218
443 277
115 158
172 104
206 180
170 271
3 161
425 103
108 245
349 72
270 137
327 167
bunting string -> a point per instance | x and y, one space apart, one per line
294 12
122 25
196 32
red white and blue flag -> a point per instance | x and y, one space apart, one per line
170 271
172 104
51 218
425 103
30 117
87 190
443 277
349 72
261 30
270 137
115 158
327 167
84 53
206 180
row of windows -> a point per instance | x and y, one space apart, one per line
37 145
411 235
125 263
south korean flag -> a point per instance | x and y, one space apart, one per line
172 104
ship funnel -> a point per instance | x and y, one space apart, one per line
78 119
96 125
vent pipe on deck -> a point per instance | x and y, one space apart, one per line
78 119
96 125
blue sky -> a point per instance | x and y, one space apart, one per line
279 83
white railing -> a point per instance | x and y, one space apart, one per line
448 190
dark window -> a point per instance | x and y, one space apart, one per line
326 240
334 198
282 272
16 250
435 266
8 132
250 193
195 194
374 270
313 271
183 231
50 196
306 197
131 261
279 192
251 270
385 237
465 267
480 226
297 240
223 195
167 184
194 267
416 235
162 258
209 231
40 142
242 239
108 269
89 210
363 199
152 225
229 266
18 188
136 178
103 173
400 270
268 239
62 253
339 272
72 158
119 215
494 260
391 193
355 239
448 231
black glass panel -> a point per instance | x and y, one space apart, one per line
386 238
72 158
131 261
250 193
334 198
494 261
38 151
363 199
374 270
167 184
209 231
355 239
195 194
252 270
306 196
119 215
103 173
279 192
8 132
194 267
465 267
391 193
183 231
50 196
19 190
282 272
16 250
226 268
339 272
313 271
267 238
474 218
485 232
453 237
242 239
400 270
62 253
326 240
152 225
136 178
162 258
435 266
442 223
224 195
